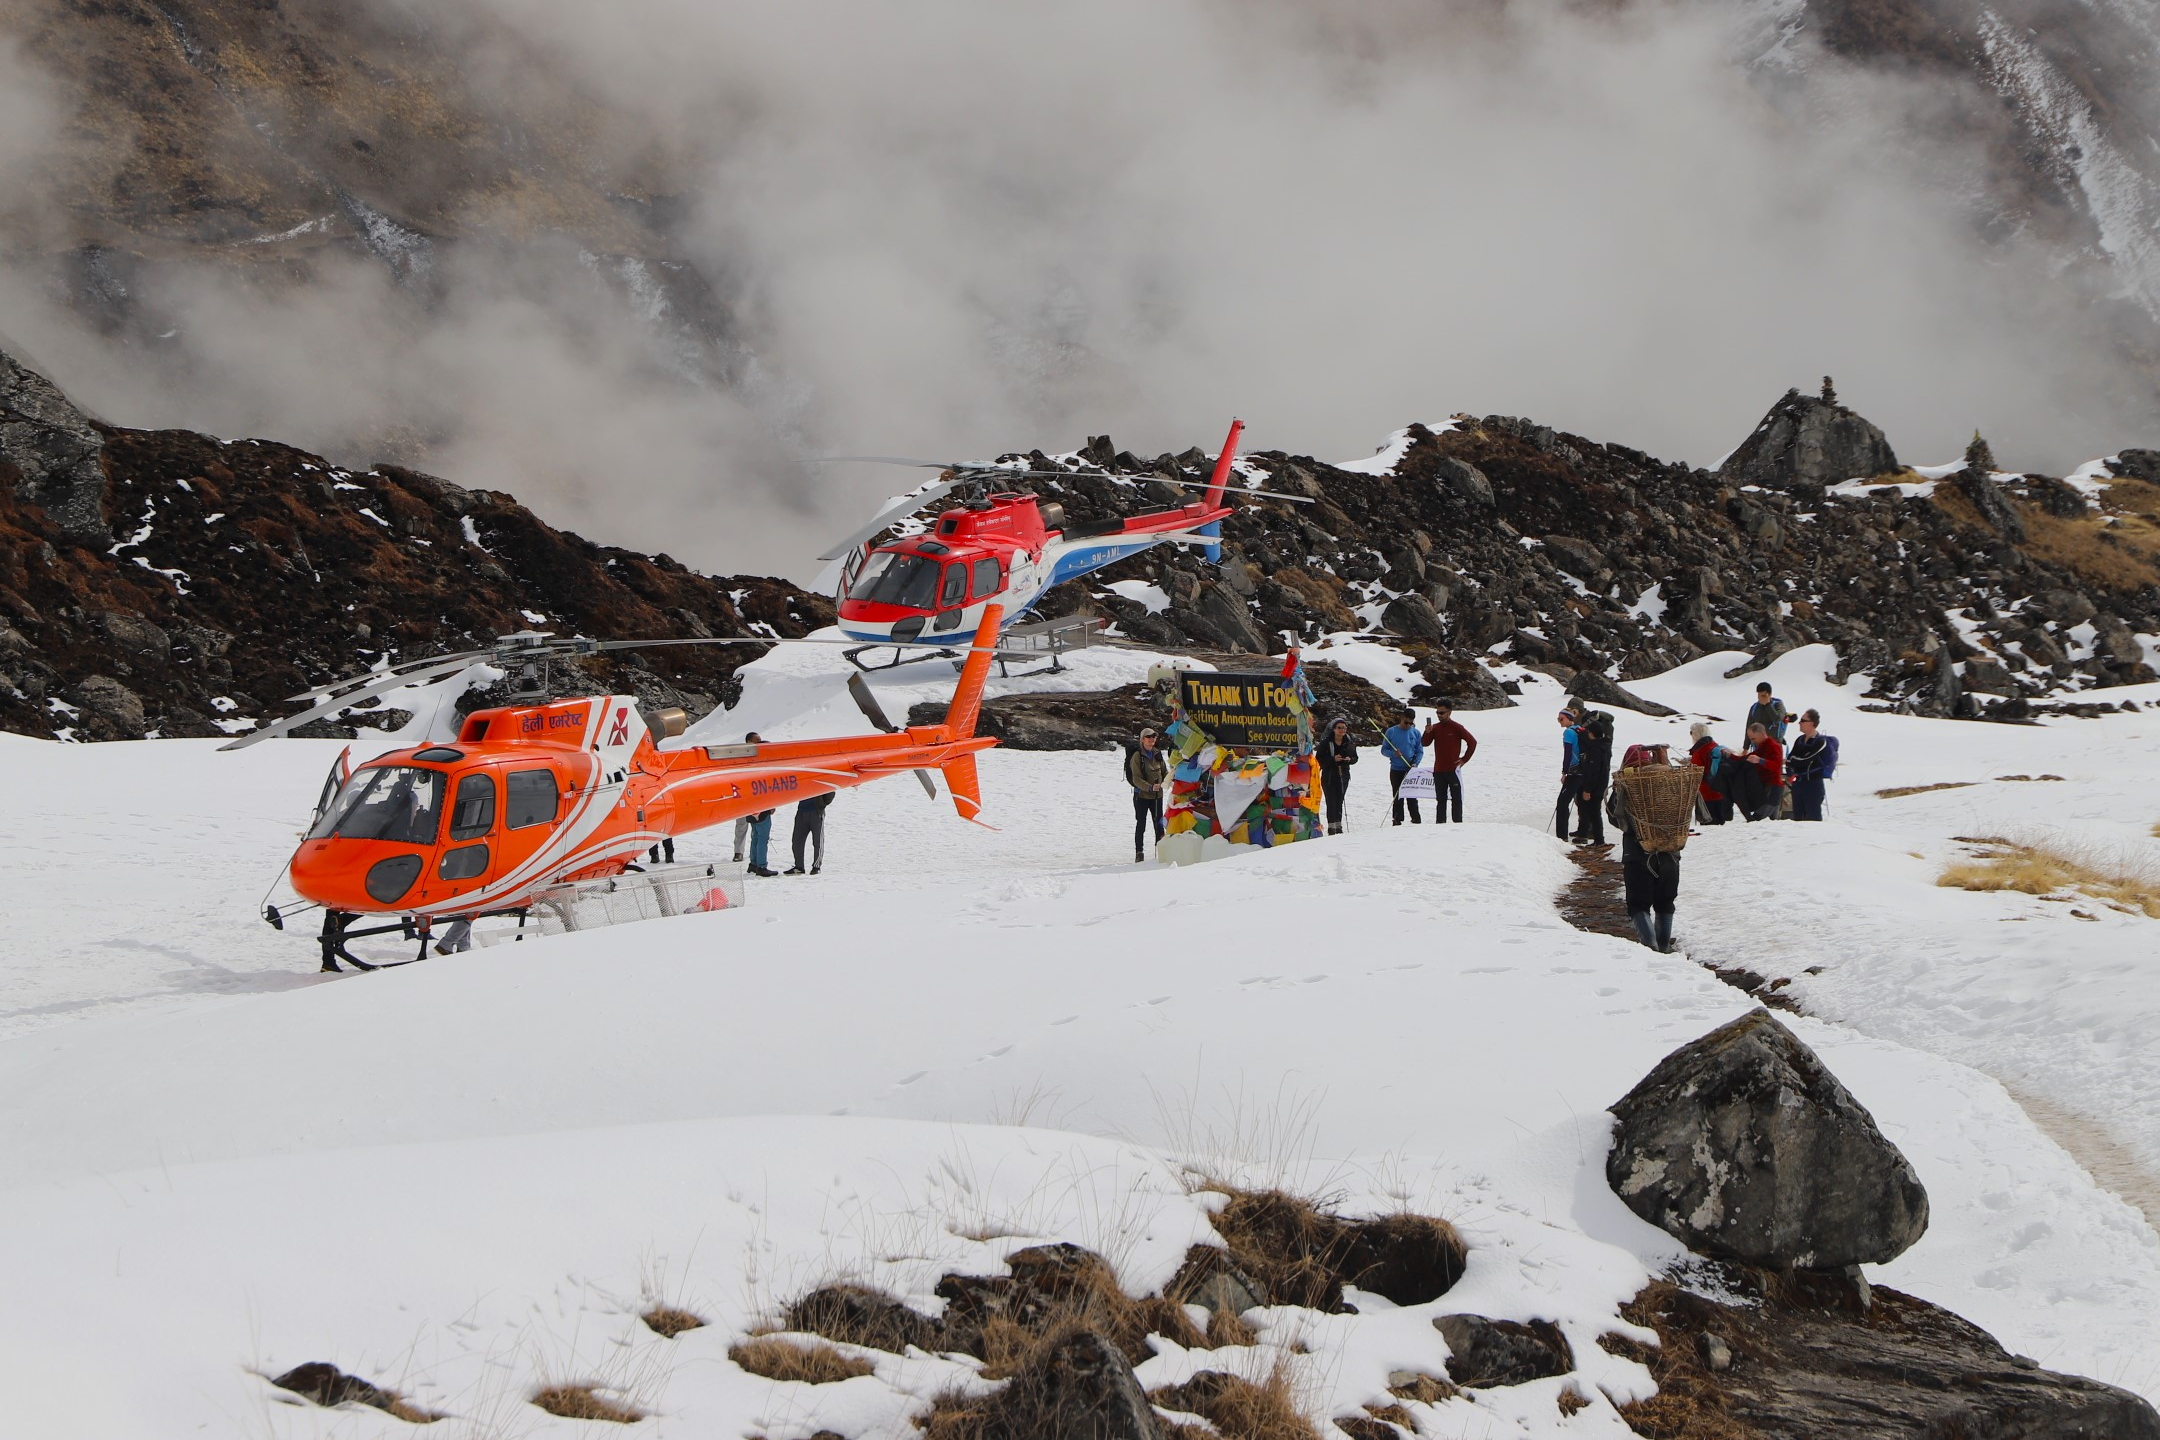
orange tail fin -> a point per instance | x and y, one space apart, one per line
966 707
965 785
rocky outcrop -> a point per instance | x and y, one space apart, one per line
1809 440
163 581
1079 1388
1572 555
1743 1146
49 454
1905 1371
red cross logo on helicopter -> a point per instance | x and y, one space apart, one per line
619 734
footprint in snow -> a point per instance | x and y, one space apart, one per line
1314 979
914 1077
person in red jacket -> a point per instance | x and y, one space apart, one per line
1451 746
1716 806
1767 756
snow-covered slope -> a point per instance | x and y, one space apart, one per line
465 1178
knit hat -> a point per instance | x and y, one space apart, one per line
1699 730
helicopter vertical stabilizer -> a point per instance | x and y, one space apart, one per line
1216 484
966 707
961 777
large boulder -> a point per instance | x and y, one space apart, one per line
1599 690
1744 1147
1807 440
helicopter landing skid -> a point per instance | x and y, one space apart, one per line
900 657
337 929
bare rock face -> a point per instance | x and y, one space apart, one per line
1744 1147
1806 440
52 450
1483 1352
1598 690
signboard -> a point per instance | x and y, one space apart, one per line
1417 784
1254 712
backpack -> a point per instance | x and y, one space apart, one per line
1598 725
1826 764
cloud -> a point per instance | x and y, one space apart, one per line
957 227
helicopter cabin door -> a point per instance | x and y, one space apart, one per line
532 799
952 597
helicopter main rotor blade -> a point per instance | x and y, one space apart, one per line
906 505
1232 490
346 699
401 668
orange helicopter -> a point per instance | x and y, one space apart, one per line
533 796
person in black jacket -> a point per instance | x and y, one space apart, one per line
1338 752
810 827
1145 771
1652 882
1593 771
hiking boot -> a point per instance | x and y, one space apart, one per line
817 867
793 870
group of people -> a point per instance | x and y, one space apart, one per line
1766 779
1763 780
1405 746
808 839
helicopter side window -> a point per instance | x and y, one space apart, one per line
463 863
472 814
986 577
955 589
532 799
909 580
391 802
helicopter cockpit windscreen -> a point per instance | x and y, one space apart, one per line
891 578
399 803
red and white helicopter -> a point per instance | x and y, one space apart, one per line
999 547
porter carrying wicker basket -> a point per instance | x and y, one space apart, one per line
1661 800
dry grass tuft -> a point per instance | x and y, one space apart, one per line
1302 1255
670 1321
2007 778
1689 1404
1226 1329
806 1362
584 1402
2156 831
1573 1400
2052 874
2123 560
1242 1409
1426 1389
1899 792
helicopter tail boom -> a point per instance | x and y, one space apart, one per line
1221 477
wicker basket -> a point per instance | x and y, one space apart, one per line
1661 800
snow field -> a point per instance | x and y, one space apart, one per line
465 1178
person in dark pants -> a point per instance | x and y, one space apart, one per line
1766 760
1652 881
1338 752
1145 770
1451 746
1401 744
1570 757
742 822
810 831
1593 770
761 844
1811 760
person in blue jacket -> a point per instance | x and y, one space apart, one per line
1404 745
1570 761
1811 760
